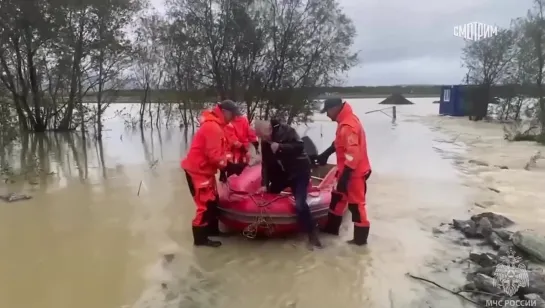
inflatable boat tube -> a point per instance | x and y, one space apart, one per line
243 209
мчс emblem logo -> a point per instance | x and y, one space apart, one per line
511 274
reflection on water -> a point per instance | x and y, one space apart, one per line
88 239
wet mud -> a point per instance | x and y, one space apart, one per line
94 233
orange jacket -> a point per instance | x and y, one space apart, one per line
244 131
239 130
350 143
208 150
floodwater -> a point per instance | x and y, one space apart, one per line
102 214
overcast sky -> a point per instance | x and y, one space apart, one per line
412 41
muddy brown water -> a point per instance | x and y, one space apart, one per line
88 239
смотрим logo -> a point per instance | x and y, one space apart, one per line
475 31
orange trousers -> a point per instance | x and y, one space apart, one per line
204 191
354 200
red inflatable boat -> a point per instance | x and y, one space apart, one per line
244 210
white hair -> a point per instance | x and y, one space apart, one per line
262 127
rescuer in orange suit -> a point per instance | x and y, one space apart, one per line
240 135
207 154
353 170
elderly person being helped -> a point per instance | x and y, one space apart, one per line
286 164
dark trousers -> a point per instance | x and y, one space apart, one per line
299 187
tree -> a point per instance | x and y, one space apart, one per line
488 63
534 30
28 29
109 53
149 58
269 55
48 50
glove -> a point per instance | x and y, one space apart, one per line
321 160
342 184
223 176
313 159
256 145
238 168
235 168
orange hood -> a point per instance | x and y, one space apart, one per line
214 115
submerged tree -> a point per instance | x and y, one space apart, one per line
149 58
109 55
50 55
267 54
514 60
488 63
534 49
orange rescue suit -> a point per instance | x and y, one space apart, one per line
351 150
207 154
240 135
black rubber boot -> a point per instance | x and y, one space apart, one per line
213 229
200 238
212 213
360 236
313 239
333 224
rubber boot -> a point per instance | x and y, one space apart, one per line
333 224
313 239
360 236
200 238
213 229
213 226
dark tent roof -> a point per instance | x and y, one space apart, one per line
396 99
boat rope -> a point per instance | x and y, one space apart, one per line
263 220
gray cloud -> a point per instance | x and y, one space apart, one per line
412 42
403 42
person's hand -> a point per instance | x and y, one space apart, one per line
321 160
341 186
261 190
237 168
237 144
275 146
223 176
313 159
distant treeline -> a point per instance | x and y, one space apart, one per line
509 91
347 92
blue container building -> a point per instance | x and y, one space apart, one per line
452 101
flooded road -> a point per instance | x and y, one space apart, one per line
104 213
